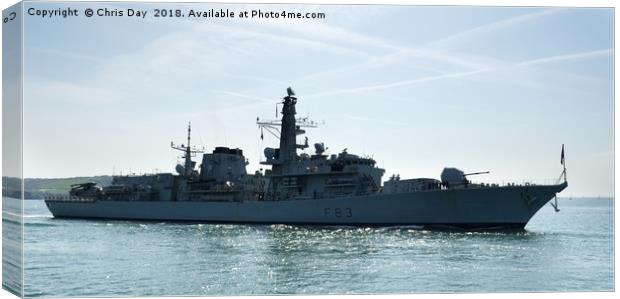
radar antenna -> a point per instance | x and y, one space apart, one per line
273 126
290 91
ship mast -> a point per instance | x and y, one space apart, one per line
288 138
189 152
286 131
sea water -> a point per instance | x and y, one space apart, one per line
567 251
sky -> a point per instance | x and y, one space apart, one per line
418 88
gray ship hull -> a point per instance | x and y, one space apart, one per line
501 207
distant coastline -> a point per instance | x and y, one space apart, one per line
38 188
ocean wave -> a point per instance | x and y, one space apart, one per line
408 226
17 221
11 214
38 216
281 226
33 293
40 224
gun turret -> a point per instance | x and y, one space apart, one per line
85 189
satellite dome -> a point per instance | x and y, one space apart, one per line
180 169
269 152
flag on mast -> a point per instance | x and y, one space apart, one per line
562 156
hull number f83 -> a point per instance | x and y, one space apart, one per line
338 212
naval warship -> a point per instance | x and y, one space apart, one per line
304 189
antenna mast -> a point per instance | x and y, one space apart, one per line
273 126
189 151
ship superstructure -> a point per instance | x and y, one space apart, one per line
304 176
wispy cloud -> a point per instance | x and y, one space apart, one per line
488 28
175 50
550 59
64 53
429 51
376 120
71 93
421 59
245 96
565 57
267 39
399 83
